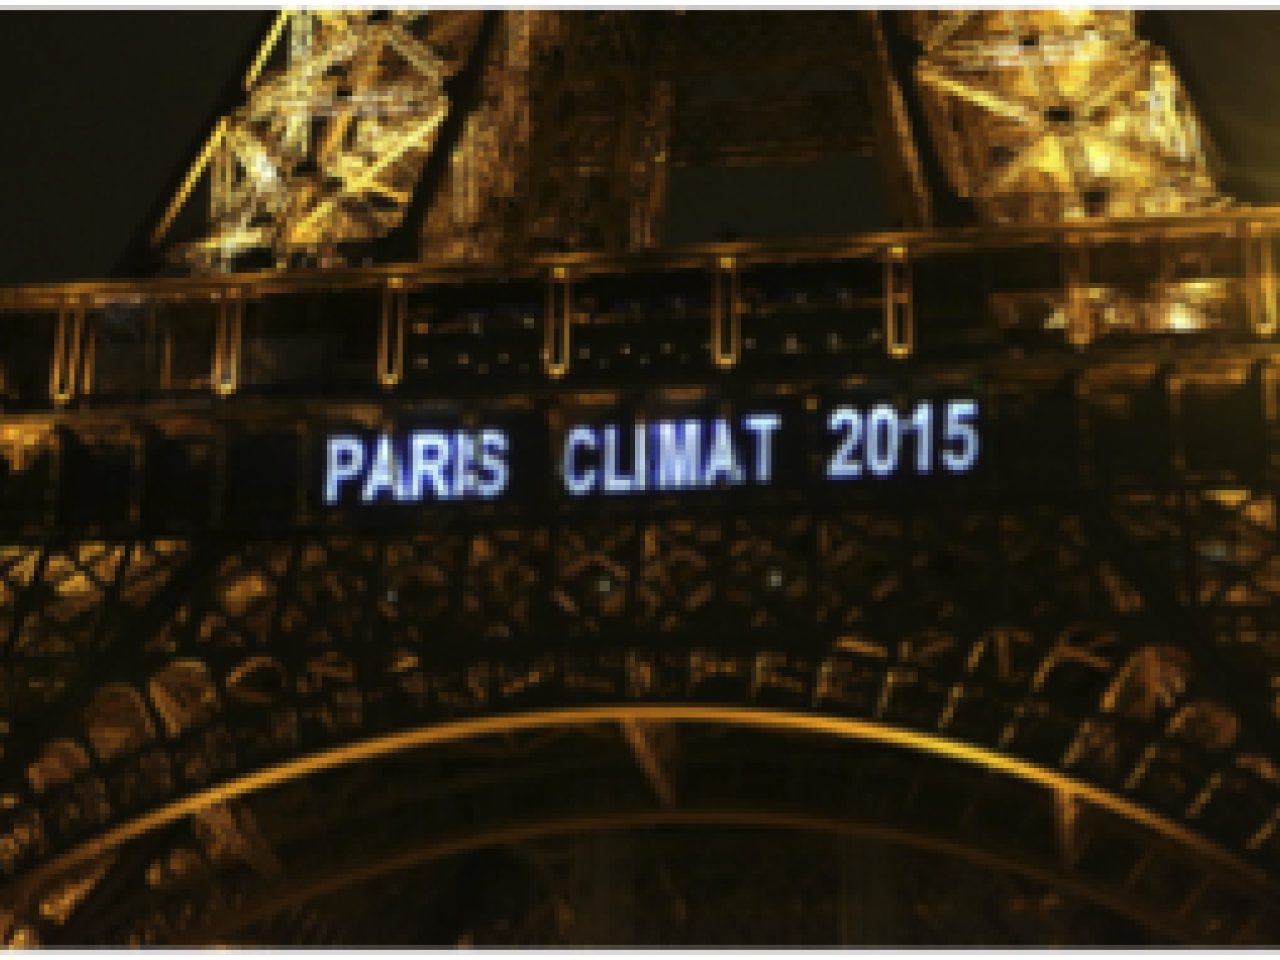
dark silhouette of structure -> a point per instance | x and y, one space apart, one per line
412 549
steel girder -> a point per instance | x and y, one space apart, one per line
346 829
1046 115
996 632
1095 613
1079 649
579 116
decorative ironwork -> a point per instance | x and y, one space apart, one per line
1053 114
233 713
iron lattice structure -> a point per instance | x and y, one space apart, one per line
564 126
1035 704
1060 114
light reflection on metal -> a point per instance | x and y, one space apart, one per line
899 317
1165 308
1052 115
330 143
226 356
558 155
68 352
1055 121
768 718
391 331
726 334
1057 114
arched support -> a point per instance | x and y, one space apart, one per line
860 730
575 783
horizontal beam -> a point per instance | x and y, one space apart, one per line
1231 222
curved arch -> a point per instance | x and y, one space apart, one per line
239 917
768 718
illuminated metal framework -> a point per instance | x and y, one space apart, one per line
1056 114
234 716
343 108
1050 115
329 145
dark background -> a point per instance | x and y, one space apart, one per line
102 109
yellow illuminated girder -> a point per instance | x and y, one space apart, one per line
1051 114
343 109
440 733
1042 116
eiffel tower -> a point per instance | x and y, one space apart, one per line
415 548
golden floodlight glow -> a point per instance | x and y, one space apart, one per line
453 731
343 109
1044 115
1101 313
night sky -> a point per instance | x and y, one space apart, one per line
102 110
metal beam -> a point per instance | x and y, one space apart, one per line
235 829
653 745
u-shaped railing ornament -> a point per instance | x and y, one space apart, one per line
68 367
899 311
559 321
391 324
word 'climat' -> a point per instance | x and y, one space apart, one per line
689 454
426 464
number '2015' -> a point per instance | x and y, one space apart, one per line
875 442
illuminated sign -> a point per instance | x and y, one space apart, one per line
632 456
425 464
691 453
875 441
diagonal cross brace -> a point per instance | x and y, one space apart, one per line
653 745
1180 620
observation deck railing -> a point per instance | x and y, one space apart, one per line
814 308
